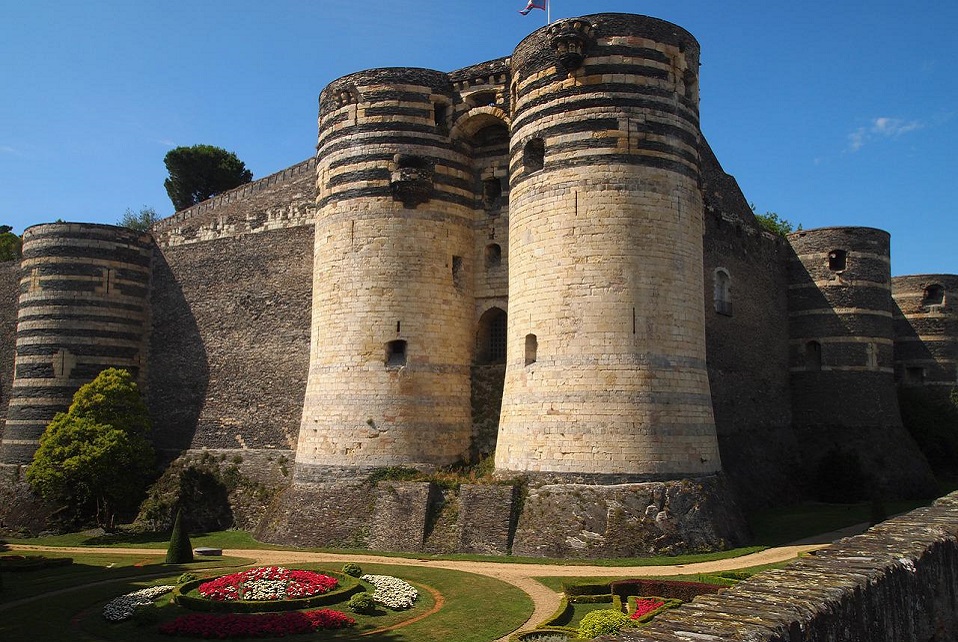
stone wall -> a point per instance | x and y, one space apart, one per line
284 199
926 330
745 300
9 292
895 583
230 341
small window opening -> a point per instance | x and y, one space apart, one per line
411 161
532 348
493 255
723 292
813 356
533 155
837 260
914 375
457 271
396 353
934 295
492 192
440 113
398 326
482 98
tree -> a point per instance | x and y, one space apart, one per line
96 457
179 551
772 222
201 172
10 244
141 221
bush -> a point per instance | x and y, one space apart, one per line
603 622
146 615
361 603
585 588
180 551
352 569
186 577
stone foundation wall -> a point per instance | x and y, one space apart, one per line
895 583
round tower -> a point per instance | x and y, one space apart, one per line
84 307
393 315
605 373
841 355
926 330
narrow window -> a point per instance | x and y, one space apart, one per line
837 260
722 292
493 255
532 347
457 271
934 295
533 155
440 112
395 354
482 98
491 192
813 356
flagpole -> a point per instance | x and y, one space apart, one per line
548 12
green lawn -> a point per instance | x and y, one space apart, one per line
475 609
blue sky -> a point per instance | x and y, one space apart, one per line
829 113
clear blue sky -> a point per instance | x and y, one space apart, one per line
829 113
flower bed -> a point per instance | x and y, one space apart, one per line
31 562
269 588
267 583
260 625
392 592
122 608
644 606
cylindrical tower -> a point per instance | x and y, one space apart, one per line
841 355
84 307
605 374
926 330
393 301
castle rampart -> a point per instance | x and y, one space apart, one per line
284 199
84 306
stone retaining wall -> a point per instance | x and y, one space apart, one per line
895 583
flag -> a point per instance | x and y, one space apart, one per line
534 4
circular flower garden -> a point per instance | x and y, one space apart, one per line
269 601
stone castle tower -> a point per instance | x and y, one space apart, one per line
537 256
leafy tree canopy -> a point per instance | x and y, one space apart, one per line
141 221
772 222
201 172
10 244
96 457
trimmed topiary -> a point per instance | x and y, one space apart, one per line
602 622
352 569
362 603
180 551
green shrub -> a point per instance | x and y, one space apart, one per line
590 599
180 551
186 577
361 603
352 569
146 615
585 588
603 622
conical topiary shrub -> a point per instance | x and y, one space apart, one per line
180 551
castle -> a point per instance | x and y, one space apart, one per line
537 256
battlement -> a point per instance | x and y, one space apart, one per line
281 200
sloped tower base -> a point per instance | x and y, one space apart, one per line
552 520
629 520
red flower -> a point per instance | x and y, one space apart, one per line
259 625
644 606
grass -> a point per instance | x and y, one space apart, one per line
476 609
791 523
218 539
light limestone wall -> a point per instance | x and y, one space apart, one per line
383 271
606 266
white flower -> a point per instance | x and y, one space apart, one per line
391 591
122 608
